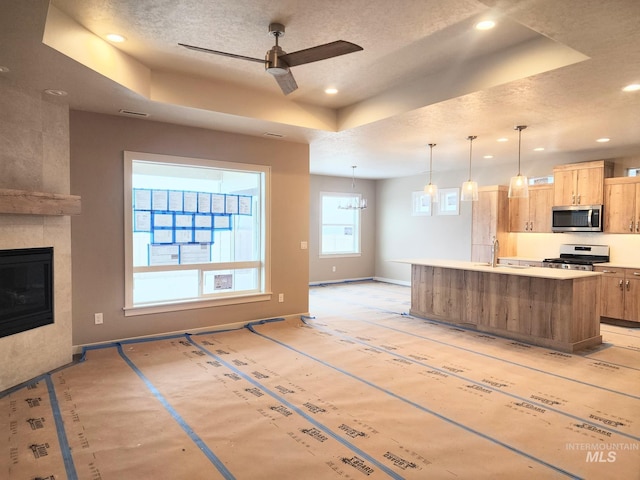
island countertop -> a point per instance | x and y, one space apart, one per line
520 270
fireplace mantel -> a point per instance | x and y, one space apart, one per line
25 202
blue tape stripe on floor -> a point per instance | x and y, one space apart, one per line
62 435
423 408
300 412
188 430
484 385
440 342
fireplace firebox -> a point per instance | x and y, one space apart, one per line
26 289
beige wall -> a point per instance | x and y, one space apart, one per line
346 268
34 156
400 234
97 145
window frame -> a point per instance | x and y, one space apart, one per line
264 292
357 227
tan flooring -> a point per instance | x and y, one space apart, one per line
359 390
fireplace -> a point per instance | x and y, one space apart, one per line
26 289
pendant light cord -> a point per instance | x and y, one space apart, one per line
519 128
471 138
431 145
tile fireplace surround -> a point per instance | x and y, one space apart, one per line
35 158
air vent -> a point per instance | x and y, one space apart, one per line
133 114
274 135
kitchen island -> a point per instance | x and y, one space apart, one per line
549 307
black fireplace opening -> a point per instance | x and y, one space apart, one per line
26 289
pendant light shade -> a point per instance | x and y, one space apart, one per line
431 189
519 185
469 191
357 202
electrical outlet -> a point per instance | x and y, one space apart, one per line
281 297
304 245
333 269
98 318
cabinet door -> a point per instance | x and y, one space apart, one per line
564 185
590 183
540 203
620 207
637 226
485 218
612 295
519 214
632 296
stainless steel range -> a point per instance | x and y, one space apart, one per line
578 257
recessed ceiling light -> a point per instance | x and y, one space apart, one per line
56 93
485 25
502 139
603 140
4 69
114 37
331 91
634 87
538 149
488 156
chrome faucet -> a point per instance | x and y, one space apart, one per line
494 252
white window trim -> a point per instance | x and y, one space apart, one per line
189 304
340 255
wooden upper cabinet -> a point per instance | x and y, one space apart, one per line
532 214
490 218
622 205
581 183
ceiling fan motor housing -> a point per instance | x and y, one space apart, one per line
273 64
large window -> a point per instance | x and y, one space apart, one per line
339 226
196 233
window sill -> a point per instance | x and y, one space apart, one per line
193 304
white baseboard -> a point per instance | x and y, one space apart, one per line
78 349
394 281
342 280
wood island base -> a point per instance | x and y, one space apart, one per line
561 314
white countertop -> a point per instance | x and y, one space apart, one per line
540 272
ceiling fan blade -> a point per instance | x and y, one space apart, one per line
321 52
224 54
287 82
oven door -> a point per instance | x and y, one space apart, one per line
577 218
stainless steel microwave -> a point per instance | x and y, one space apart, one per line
577 218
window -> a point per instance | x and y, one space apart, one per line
633 172
196 233
339 227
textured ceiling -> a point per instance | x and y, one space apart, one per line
424 76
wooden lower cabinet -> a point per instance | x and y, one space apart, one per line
620 293
559 314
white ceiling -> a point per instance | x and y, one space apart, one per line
425 74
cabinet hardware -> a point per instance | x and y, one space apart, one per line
628 284
608 271
579 199
620 285
631 226
637 274
638 226
531 226
573 199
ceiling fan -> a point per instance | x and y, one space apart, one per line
277 62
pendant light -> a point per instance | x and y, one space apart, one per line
519 185
469 191
356 202
431 189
